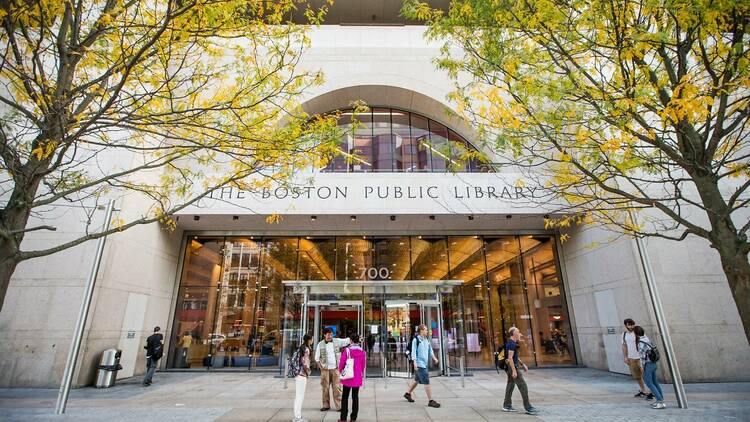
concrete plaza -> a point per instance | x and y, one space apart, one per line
571 394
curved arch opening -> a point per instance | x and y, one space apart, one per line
390 139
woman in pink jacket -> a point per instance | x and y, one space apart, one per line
352 384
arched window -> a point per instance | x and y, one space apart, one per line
392 140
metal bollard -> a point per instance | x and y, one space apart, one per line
461 368
286 379
448 366
385 373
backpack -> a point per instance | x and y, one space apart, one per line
653 354
501 361
408 351
294 365
158 351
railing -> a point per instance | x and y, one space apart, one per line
461 367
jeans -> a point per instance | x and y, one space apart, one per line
512 383
150 369
300 384
345 403
649 377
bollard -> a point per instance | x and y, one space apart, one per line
286 379
461 369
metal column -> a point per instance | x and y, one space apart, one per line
75 344
661 321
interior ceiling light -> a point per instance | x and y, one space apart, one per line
313 217
354 218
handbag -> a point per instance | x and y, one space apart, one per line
348 372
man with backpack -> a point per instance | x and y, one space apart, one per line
154 351
512 368
421 352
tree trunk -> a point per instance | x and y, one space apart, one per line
8 262
737 269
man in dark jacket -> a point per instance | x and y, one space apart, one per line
154 351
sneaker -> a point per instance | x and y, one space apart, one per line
408 397
433 403
649 396
660 405
532 411
509 409
640 394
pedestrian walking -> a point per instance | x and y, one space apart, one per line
515 377
327 355
300 380
154 351
632 358
421 350
352 370
649 357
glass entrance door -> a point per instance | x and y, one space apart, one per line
402 320
343 318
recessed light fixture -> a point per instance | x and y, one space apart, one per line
393 218
235 217
508 216
196 217
354 218
432 217
313 217
471 217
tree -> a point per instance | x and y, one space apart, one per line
161 102
618 107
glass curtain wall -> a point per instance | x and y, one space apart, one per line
230 310
390 140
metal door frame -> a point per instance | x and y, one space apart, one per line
318 304
422 305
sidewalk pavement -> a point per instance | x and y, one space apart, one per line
569 394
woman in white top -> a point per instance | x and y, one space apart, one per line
300 381
649 367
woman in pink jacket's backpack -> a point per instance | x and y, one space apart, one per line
352 370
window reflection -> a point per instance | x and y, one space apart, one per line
387 140
230 310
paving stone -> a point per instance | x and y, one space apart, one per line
561 394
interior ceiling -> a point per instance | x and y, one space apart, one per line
365 12
467 260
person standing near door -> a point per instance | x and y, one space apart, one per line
352 383
422 351
515 378
300 380
154 350
327 355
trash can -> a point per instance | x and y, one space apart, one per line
108 367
